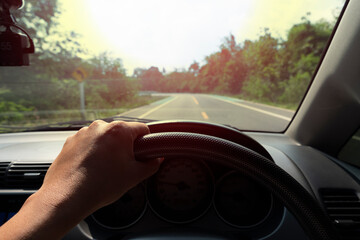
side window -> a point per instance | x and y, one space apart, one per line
350 153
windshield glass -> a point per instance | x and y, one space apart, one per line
242 63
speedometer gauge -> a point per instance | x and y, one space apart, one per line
125 211
181 190
240 201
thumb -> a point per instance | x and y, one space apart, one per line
148 168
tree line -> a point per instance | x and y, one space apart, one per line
268 69
47 84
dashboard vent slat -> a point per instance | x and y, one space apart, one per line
26 175
3 168
343 208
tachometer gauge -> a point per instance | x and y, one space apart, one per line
181 190
240 201
125 211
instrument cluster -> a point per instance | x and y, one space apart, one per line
183 190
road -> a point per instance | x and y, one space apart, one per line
218 109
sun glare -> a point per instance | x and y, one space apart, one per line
166 32
171 34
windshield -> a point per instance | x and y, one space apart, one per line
241 63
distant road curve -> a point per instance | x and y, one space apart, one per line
214 108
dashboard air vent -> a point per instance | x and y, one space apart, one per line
343 207
26 175
3 167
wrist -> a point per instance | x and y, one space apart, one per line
40 217
70 207
55 214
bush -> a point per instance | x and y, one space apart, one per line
294 89
12 112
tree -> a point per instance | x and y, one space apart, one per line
55 60
235 73
38 17
230 44
194 68
302 51
138 72
262 58
151 78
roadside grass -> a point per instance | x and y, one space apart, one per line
135 103
9 123
289 106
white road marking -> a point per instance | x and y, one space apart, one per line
282 109
156 108
255 109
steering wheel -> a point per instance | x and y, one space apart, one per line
224 145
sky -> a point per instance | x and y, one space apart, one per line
174 33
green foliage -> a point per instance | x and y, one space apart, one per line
295 87
260 87
179 82
10 112
261 53
150 79
47 86
38 17
235 73
268 70
194 68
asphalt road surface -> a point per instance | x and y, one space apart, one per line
217 109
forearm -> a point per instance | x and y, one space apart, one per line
91 171
39 218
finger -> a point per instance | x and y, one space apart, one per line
97 126
148 168
97 123
138 129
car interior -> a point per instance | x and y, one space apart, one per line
302 183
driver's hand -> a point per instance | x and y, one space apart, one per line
97 164
95 167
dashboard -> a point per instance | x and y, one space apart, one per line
190 198
191 194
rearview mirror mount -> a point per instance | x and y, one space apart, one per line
15 43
